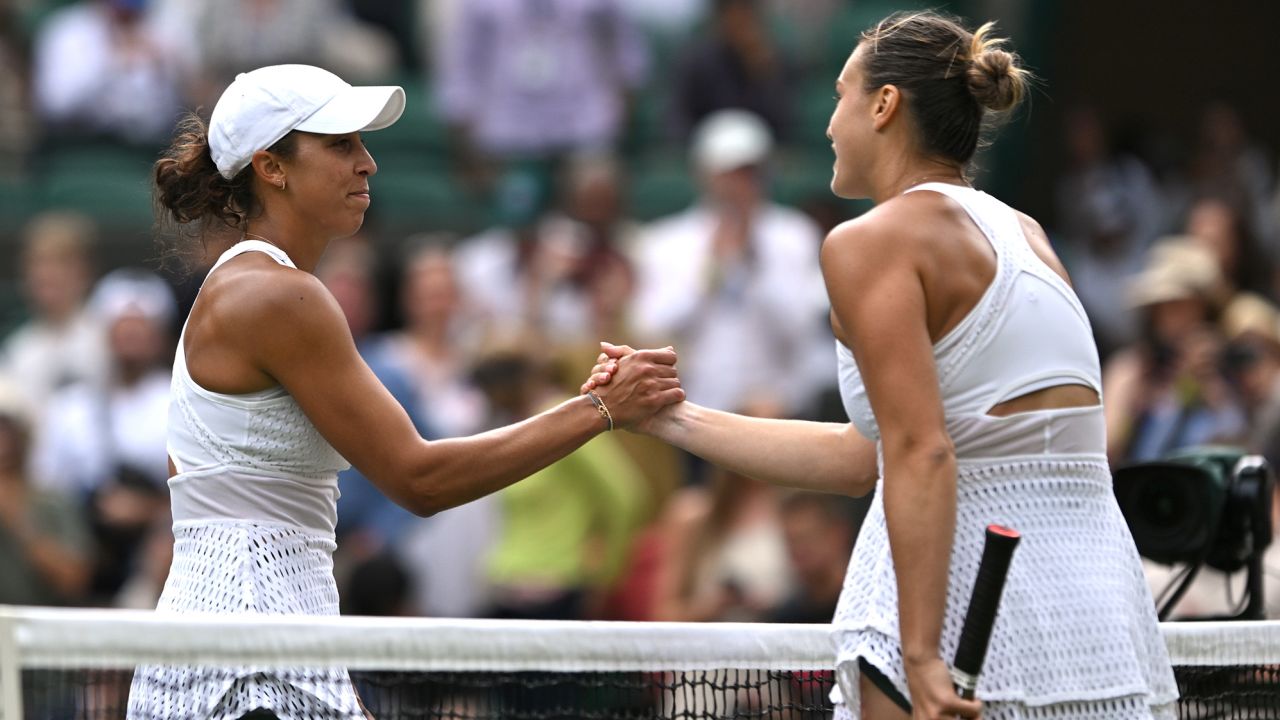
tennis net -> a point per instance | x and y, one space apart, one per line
80 664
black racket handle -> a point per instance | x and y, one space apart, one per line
997 553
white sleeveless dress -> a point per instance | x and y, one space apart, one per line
1076 637
254 508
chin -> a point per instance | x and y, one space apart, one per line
840 189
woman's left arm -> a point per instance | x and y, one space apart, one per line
872 273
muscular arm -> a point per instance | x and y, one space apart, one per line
825 457
295 333
878 298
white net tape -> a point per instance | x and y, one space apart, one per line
48 639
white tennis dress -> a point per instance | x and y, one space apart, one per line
254 508
1076 637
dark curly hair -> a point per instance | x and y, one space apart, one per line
193 201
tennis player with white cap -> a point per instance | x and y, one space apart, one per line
270 398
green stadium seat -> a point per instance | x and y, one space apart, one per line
660 185
419 130
408 199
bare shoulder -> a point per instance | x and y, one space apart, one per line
254 295
1039 242
890 232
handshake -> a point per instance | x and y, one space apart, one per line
636 389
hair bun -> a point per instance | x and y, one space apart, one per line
993 81
994 77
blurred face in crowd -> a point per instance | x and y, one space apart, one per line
354 294
815 542
1173 321
1255 367
137 342
431 290
1221 128
594 196
56 280
1213 225
1086 141
850 130
740 188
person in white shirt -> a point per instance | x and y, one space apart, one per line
103 443
62 343
107 67
739 271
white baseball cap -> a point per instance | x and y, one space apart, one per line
729 139
264 105
133 291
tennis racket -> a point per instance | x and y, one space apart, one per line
997 553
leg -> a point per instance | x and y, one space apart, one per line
880 700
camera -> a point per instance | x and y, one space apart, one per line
1201 506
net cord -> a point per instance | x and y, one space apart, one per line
10 668
51 638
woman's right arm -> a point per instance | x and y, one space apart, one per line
296 333
818 456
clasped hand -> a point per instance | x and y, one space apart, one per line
634 384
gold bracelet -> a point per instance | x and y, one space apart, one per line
601 407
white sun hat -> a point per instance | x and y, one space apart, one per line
730 139
264 105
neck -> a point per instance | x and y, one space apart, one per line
304 253
907 174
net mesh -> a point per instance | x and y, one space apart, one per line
82 664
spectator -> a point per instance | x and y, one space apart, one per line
1167 390
1251 325
538 78
437 340
1225 231
435 348
737 271
105 444
820 530
16 126
61 343
565 276
105 68
368 521
566 530
44 543
724 555
1109 212
741 67
1228 162
235 36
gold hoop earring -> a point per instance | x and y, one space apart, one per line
282 183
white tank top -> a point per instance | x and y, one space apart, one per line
1076 635
254 509
254 456
1027 332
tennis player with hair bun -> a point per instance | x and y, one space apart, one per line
270 398
968 369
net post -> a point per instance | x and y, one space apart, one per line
10 670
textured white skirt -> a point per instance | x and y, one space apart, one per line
1076 635
238 567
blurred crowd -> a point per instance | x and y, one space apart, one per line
1175 261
